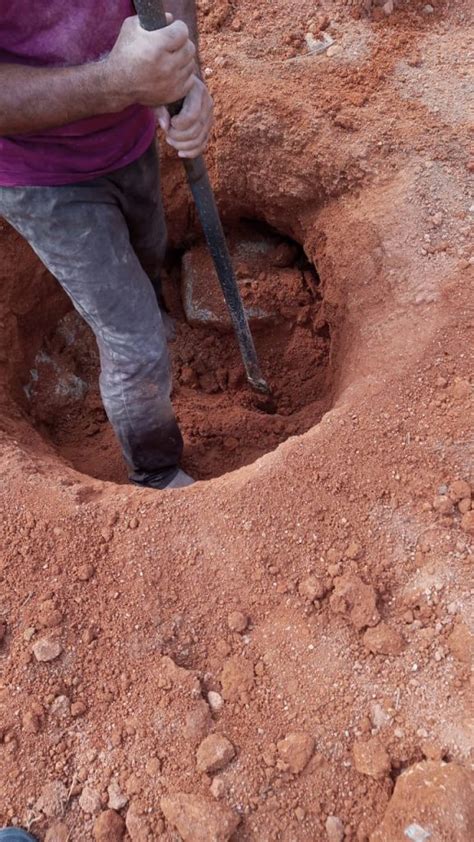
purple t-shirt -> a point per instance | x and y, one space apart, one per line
60 33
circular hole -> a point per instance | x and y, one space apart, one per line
221 417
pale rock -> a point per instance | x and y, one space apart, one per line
214 753
334 829
216 702
89 801
47 650
117 799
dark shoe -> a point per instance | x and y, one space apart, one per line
181 480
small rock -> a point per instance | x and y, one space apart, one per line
443 505
52 800
218 788
47 650
459 490
61 707
428 9
334 829
237 621
371 758
296 750
89 801
334 50
461 643
85 572
117 799
311 588
78 708
214 753
464 505
57 832
198 819
431 801
136 824
383 640
198 722
216 702
109 827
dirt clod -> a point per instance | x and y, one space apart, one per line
198 819
334 829
57 832
237 621
52 799
109 827
383 640
355 600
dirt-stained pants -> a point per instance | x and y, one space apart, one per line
104 240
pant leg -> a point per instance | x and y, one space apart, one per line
80 233
142 206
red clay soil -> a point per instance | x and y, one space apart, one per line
282 652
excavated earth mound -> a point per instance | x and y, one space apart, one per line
283 652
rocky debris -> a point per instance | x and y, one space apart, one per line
117 800
237 622
89 800
431 801
355 600
198 819
198 722
270 284
214 753
334 829
61 707
57 832
136 824
296 750
371 758
52 800
461 643
237 679
48 615
383 640
46 650
443 505
109 827
218 788
216 702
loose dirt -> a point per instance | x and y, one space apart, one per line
283 651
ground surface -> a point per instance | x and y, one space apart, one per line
324 592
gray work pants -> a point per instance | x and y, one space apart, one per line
104 240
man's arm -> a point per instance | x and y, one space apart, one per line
189 131
150 68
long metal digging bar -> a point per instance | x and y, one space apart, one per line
152 16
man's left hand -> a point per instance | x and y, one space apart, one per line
189 131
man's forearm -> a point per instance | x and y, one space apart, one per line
33 99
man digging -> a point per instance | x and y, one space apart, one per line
79 179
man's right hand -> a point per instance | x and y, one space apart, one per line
150 68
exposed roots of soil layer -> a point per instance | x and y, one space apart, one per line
282 653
